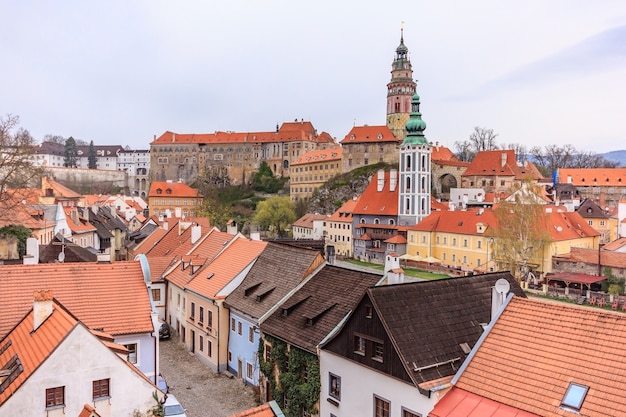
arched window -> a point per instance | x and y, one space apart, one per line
408 184
376 221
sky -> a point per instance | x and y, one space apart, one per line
537 72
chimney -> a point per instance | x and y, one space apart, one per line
503 159
395 274
196 232
393 180
42 307
381 180
173 137
74 216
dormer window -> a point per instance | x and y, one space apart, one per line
159 191
168 191
574 396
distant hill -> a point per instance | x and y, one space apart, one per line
617 156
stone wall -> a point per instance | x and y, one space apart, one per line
76 178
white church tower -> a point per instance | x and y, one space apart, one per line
414 195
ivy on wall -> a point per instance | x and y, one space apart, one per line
298 382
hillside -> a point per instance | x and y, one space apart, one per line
616 156
339 189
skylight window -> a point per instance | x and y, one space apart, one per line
574 396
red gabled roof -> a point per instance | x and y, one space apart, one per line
108 296
344 213
529 365
373 202
581 177
442 154
232 261
264 410
307 220
461 403
369 134
459 221
501 163
321 155
172 190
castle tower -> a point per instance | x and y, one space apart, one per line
400 90
414 193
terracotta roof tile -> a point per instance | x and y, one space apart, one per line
232 261
491 163
320 155
344 213
529 363
587 177
616 244
264 410
461 403
112 297
308 219
369 134
590 256
33 347
172 189
373 202
441 153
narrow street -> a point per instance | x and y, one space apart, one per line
201 391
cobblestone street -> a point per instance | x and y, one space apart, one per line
201 391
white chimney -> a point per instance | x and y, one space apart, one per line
381 180
42 307
32 251
196 232
503 158
393 180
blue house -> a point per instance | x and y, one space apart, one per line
277 273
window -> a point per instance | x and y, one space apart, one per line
209 319
156 294
381 407
192 313
334 386
132 352
239 328
249 373
232 324
574 396
251 334
100 388
409 413
201 315
201 343
359 345
368 312
209 348
55 397
378 352
268 353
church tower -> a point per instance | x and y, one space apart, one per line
400 90
415 151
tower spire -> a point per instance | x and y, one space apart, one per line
400 90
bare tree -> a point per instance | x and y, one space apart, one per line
464 151
552 157
54 139
483 139
17 167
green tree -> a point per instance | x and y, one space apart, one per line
521 232
275 214
17 167
92 157
264 180
71 153
21 233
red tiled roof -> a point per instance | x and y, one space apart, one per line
321 155
207 249
288 132
437 205
13 212
590 256
308 219
443 154
33 347
398 239
529 363
373 202
344 213
112 297
61 190
88 411
459 221
369 134
616 244
261 411
174 242
82 226
173 190
461 403
581 177
490 163
574 277
232 261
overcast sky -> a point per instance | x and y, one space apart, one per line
119 72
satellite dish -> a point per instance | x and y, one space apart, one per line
502 286
61 257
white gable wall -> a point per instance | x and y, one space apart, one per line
359 384
78 361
